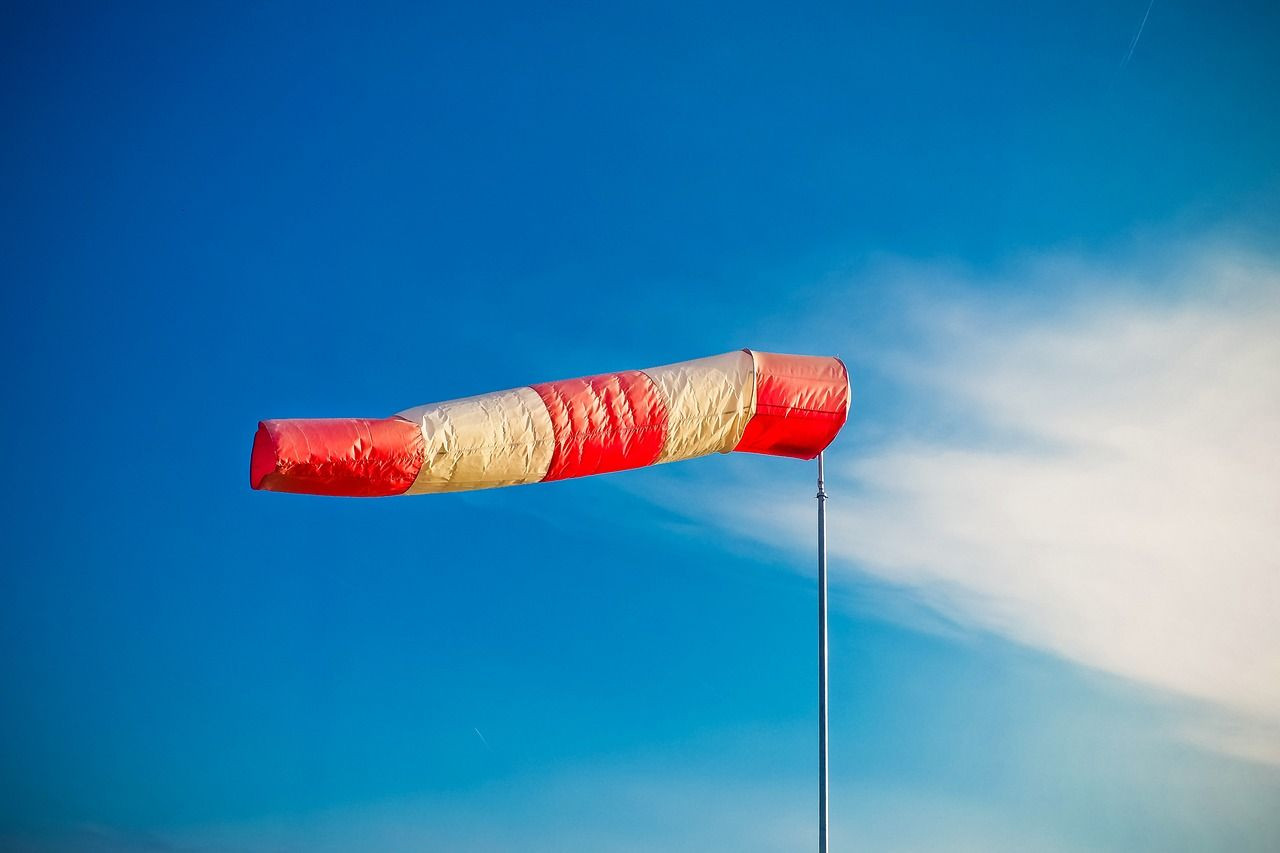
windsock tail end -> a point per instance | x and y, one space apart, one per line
353 457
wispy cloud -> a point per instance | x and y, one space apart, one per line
1098 476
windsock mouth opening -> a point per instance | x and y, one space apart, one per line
801 403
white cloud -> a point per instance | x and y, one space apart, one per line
1098 476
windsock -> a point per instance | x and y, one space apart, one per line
748 401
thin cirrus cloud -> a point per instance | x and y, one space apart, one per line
1095 475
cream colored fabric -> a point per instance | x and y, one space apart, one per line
500 439
709 401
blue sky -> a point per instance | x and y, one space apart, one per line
1054 276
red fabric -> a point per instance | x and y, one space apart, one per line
357 457
801 403
604 423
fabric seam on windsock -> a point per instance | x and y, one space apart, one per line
755 392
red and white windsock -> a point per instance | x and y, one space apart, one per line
756 402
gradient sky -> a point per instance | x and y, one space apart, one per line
1043 640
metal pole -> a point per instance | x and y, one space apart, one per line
822 661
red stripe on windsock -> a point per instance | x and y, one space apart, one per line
802 401
604 423
356 457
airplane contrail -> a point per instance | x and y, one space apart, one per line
482 740
1141 27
